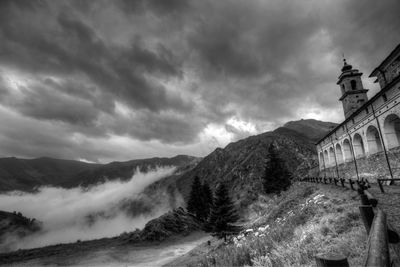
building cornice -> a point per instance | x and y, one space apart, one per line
344 75
353 92
386 61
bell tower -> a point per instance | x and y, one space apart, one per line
353 93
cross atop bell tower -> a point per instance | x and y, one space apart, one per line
353 93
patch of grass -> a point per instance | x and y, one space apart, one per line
343 223
307 191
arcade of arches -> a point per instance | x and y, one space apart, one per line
366 145
363 144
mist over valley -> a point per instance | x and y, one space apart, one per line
72 214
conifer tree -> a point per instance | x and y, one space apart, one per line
276 176
195 203
207 198
223 214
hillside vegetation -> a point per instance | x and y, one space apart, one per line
288 230
313 129
14 224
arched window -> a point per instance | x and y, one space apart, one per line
353 84
326 158
358 145
347 151
339 154
332 156
343 89
321 160
373 140
392 130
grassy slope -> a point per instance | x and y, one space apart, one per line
290 229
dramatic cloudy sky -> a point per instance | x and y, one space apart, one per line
110 80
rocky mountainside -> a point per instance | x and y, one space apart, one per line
26 174
312 129
174 222
241 164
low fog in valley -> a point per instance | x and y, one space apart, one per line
68 215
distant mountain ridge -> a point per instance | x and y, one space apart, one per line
26 174
312 129
240 163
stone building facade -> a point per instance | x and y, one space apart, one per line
367 142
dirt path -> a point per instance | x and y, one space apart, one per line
122 255
196 253
145 256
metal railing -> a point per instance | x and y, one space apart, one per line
382 181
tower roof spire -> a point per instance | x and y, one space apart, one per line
346 66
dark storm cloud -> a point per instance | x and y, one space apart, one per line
365 29
169 128
3 89
43 104
249 42
159 7
166 69
30 138
268 38
72 47
101 100
251 39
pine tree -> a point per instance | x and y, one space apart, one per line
276 176
207 198
223 214
195 203
200 200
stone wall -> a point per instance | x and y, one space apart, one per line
371 167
